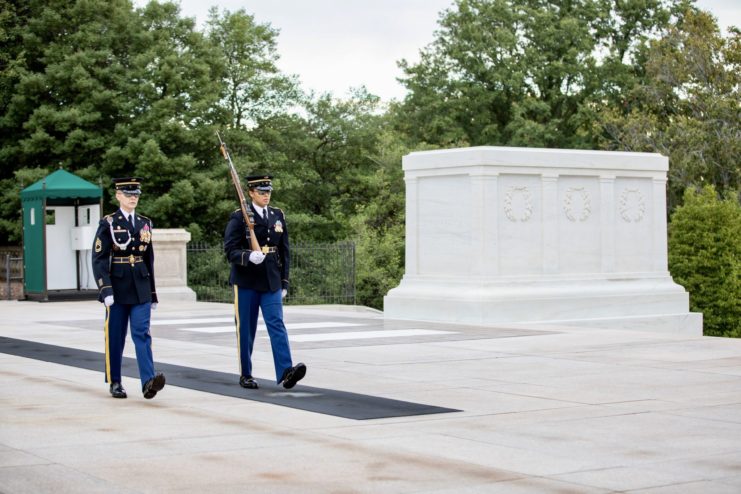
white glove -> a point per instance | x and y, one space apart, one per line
108 301
283 293
256 257
154 305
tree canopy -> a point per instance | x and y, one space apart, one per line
686 107
528 72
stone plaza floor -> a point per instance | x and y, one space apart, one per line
546 410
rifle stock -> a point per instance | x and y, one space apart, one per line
246 211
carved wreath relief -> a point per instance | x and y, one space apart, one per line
518 204
577 204
632 206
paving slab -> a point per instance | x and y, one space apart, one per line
543 409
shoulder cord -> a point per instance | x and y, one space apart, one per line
113 235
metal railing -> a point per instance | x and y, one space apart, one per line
320 273
12 271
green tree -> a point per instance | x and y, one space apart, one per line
378 227
526 72
105 91
705 258
59 85
686 107
254 107
322 162
12 18
253 87
60 82
10 201
171 98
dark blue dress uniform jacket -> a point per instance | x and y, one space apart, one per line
271 274
130 281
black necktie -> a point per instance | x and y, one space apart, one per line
131 221
265 214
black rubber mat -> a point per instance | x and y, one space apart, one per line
326 401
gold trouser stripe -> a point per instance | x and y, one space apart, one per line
236 316
149 332
107 346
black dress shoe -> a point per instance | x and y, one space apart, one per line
117 391
292 375
153 385
248 382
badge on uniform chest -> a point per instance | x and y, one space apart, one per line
145 235
279 226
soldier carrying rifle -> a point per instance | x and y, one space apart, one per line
256 244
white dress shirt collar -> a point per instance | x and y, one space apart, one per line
260 211
128 216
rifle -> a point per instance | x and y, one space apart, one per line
249 217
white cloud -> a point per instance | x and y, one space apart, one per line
333 45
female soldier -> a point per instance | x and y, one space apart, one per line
123 265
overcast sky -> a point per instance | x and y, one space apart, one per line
333 45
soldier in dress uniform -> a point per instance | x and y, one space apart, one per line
260 281
123 262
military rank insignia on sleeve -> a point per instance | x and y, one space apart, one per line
98 244
279 226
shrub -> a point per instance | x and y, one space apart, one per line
705 258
